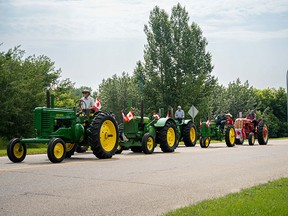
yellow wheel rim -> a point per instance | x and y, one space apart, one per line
108 135
170 137
18 154
58 150
192 134
207 142
119 147
69 146
150 143
265 133
232 136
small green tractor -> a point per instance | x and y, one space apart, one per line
66 128
209 130
142 134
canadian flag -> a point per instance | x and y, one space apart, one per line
125 119
168 115
97 104
156 116
130 115
208 123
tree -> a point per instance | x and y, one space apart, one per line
176 68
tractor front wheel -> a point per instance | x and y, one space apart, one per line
251 139
148 143
239 141
103 136
16 151
205 142
119 149
168 137
230 136
56 150
189 135
70 149
262 133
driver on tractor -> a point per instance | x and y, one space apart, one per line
88 101
179 114
252 117
221 120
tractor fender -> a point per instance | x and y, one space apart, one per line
186 121
162 121
78 132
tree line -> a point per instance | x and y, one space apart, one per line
176 70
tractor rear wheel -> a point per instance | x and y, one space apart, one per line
239 141
148 143
262 133
56 150
251 139
189 135
168 137
136 149
70 149
16 152
230 136
205 142
103 136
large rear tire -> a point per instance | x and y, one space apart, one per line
56 150
263 133
230 136
168 137
189 135
16 152
103 136
148 143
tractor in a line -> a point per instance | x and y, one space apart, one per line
251 130
142 134
209 130
63 129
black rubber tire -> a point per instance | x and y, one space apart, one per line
205 142
81 149
71 152
95 135
136 149
12 154
261 139
251 138
239 141
145 147
165 147
119 149
51 147
186 135
230 143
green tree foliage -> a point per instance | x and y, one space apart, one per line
116 93
176 68
23 84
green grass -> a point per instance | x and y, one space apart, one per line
265 199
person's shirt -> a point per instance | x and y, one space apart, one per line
230 121
89 102
179 114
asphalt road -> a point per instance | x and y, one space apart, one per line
133 183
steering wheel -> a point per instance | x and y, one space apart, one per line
80 104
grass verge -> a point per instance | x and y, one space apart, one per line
265 199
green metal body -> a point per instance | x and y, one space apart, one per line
213 131
58 122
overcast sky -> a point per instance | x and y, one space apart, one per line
93 39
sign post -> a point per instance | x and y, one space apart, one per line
193 112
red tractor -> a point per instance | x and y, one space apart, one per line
246 128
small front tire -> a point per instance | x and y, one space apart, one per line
148 143
251 139
56 150
16 151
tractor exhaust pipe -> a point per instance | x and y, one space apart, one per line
48 101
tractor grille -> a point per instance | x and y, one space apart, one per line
45 120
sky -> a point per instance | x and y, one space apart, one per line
92 40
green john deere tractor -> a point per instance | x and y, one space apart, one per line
209 130
142 134
66 128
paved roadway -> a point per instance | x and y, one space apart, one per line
133 183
